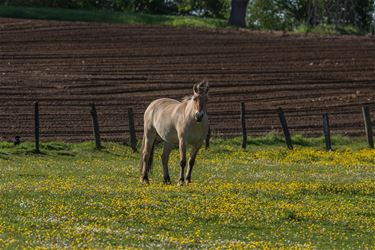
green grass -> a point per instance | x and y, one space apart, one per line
108 16
326 29
265 196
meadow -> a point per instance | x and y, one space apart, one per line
260 198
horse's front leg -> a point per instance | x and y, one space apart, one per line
193 154
182 147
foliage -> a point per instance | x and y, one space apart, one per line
72 196
206 8
265 15
290 14
357 13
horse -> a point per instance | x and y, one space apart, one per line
176 123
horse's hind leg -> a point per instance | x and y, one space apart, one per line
193 155
149 139
182 147
164 159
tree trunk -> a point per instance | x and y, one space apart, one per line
238 13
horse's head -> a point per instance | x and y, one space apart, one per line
200 99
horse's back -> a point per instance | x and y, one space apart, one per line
163 102
161 106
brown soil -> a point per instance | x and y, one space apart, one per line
67 65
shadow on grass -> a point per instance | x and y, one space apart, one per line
35 152
4 156
274 139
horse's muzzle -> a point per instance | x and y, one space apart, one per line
199 116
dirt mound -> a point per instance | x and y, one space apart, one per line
67 65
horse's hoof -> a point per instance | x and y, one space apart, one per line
167 182
145 181
188 181
180 183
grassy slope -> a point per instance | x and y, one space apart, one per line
107 16
264 196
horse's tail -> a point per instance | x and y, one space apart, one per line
150 159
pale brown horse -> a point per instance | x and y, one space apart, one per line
176 123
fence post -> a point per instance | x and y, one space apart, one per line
95 124
37 127
284 125
368 126
243 124
208 138
133 138
327 132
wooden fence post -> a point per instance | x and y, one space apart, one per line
95 124
368 126
37 127
208 138
327 132
243 124
133 138
284 125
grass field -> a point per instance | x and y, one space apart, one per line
262 197
108 17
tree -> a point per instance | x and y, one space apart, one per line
238 13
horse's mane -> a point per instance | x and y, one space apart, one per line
186 98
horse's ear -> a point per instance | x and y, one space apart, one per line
206 87
201 87
196 89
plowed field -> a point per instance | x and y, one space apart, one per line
67 65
